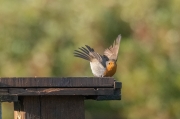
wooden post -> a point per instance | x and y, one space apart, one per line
50 107
55 97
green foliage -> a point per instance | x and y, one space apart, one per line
37 38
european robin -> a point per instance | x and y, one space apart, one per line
101 65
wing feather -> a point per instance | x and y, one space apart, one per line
88 53
112 51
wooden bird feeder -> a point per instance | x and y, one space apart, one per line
55 97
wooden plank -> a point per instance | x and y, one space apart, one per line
8 98
28 108
3 91
50 107
117 85
60 91
62 107
62 82
115 96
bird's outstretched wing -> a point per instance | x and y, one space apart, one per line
88 53
112 51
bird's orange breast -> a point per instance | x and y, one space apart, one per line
110 70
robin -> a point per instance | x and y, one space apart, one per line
101 65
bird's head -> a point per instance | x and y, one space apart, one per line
110 64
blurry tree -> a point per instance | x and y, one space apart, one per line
37 38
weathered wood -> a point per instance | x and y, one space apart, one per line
28 108
56 97
7 98
72 107
97 88
115 96
63 82
60 91
89 93
3 91
52 107
117 85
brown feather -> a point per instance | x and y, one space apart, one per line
112 51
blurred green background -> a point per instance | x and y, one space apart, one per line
37 38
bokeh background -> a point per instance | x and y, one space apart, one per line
37 38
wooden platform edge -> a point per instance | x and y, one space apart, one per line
56 91
7 98
97 93
58 82
116 94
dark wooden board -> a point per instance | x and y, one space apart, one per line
28 108
62 107
89 87
59 91
50 107
62 82
7 98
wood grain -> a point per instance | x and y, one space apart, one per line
60 91
62 82
50 107
62 107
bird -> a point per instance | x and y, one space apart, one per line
101 65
